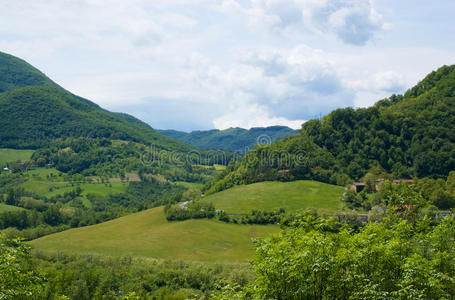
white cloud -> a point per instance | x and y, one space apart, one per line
353 21
389 81
250 116
202 63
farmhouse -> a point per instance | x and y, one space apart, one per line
407 181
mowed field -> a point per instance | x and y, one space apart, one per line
148 234
12 155
269 196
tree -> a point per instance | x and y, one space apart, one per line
393 259
19 278
13 196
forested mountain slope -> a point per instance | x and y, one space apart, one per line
233 139
410 135
34 110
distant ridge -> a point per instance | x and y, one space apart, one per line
233 139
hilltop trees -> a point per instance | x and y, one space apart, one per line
19 278
407 136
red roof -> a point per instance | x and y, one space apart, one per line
408 181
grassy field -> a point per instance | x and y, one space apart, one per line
49 182
148 234
4 208
9 155
270 196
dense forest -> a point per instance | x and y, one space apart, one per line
410 135
238 140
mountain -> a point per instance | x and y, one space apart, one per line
34 110
16 73
410 135
233 139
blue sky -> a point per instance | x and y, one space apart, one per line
205 64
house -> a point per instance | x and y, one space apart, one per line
358 186
444 214
283 171
5 169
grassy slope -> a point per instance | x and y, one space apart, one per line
269 196
10 155
148 234
4 207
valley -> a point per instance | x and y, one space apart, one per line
176 215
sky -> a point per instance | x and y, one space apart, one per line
203 64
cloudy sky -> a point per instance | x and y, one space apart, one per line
201 64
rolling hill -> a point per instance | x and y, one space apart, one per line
34 110
238 140
271 196
410 135
148 234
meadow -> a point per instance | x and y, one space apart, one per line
147 234
269 196
13 155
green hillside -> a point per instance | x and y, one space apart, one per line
233 139
34 111
270 196
16 73
148 234
407 136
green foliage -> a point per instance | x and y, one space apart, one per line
258 217
389 260
439 192
94 277
233 139
189 210
16 73
19 278
32 116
